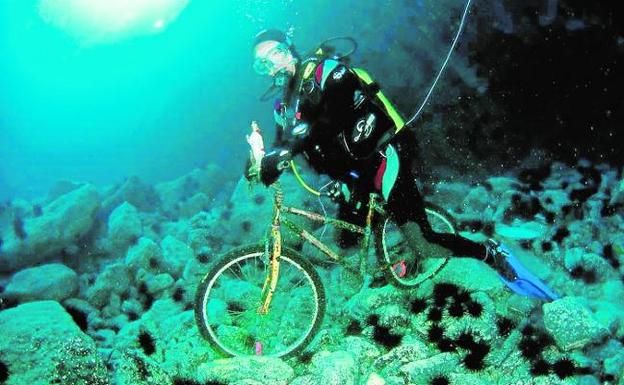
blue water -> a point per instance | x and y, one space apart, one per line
78 104
520 141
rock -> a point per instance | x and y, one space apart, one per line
146 254
193 205
393 316
269 370
42 345
477 200
62 187
135 368
53 281
502 184
175 255
572 324
609 314
469 379
174 194
334 368
614 291
364 351
134 191
576 256
617 195
419 372
365 302
114 279
307 379
389 363
375 379
520 230
450 194
471 274
62 223
158 283
614 365
179 347
554 200
124 226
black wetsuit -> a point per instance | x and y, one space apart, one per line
343 134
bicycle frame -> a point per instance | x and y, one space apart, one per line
273 243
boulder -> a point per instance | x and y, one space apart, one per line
269 370
521 230
62 223
420 371
334 368
41 345
174 194
146 254
572 324
134 191
124 226
114 279
53 281
175 255
477 200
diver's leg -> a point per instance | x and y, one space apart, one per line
412 218
407 207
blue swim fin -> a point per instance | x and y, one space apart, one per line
526 282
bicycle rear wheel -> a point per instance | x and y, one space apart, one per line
229 296
400 266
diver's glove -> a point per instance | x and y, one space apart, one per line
272 165
251 171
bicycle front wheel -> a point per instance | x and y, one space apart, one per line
229 297
400 266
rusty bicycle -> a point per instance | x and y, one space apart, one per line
268 299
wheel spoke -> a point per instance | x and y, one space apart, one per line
293 311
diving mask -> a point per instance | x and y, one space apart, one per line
275 58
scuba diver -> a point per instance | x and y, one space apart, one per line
337 117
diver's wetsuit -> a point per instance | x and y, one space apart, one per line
346 124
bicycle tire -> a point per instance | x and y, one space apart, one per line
207 287
394 266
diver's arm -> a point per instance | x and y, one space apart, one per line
278 158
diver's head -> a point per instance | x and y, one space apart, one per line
274 54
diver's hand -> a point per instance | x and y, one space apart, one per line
272 165
252 171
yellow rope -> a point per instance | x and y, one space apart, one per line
301 181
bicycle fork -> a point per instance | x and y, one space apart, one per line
274 247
